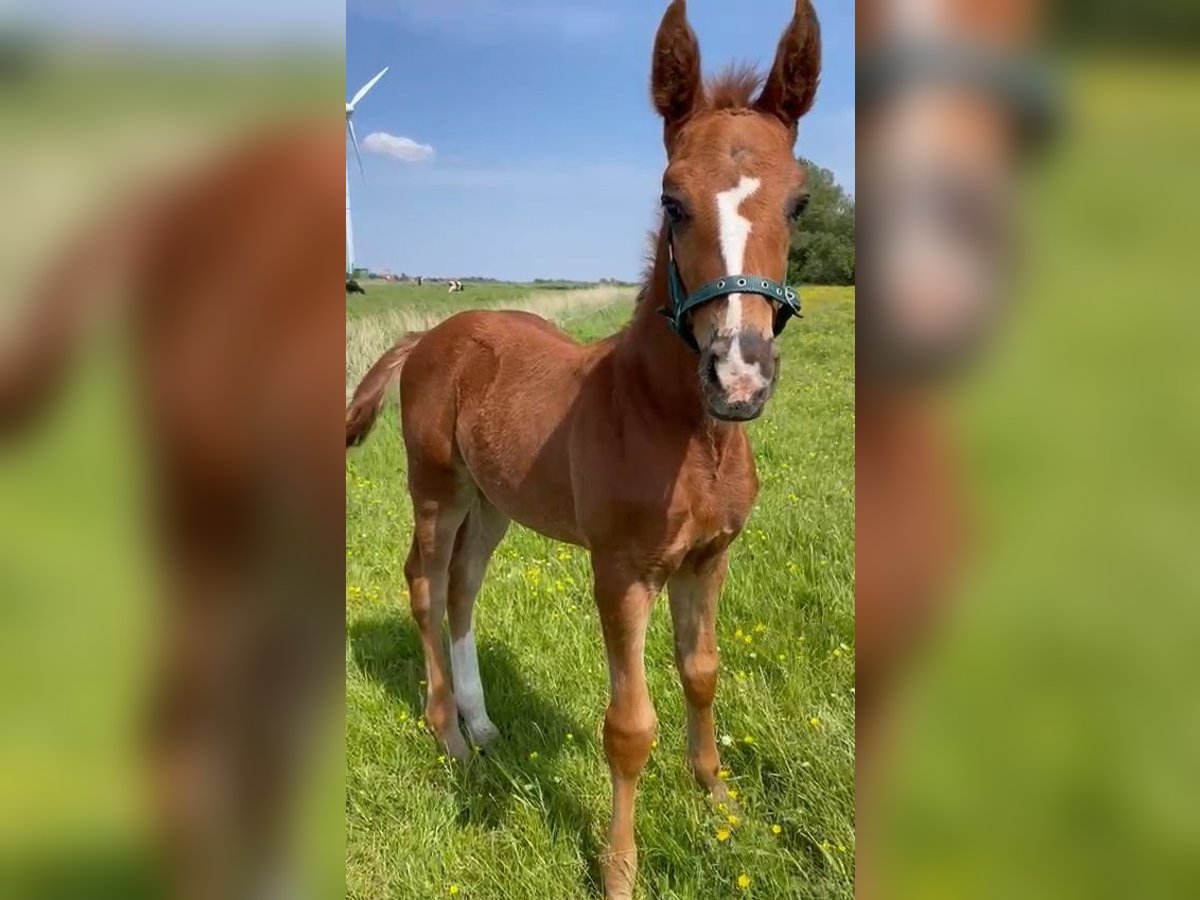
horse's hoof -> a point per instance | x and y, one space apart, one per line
484 733
619 871
718 796
456 745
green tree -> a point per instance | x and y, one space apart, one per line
822 249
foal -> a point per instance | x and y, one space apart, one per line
631 447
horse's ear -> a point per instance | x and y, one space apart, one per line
675 80
790 88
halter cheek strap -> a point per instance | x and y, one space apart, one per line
681 303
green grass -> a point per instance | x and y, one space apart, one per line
528 820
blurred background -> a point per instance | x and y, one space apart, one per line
101 105
1034 724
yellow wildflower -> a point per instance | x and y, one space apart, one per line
743 881
722 774
570 737
732 794
732 820
814 722
775 829
748 740
454 890
533 755
760 628
722 834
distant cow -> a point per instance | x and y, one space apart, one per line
353 287
456 287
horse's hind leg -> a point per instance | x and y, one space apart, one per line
478 536
436 525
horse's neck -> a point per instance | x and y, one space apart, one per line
659 368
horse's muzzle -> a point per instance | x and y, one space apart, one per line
738 374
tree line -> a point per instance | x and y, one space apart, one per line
822 249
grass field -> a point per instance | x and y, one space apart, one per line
528 820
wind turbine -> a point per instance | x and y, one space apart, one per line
362 92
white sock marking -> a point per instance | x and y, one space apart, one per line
740 379
468 686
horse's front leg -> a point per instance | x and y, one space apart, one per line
693 590
624 601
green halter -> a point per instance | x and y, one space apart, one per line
682 303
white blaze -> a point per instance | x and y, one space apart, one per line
468 687
740 379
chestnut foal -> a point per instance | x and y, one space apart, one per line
632 446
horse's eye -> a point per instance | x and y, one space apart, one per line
798 207
673 209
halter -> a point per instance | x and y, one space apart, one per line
681 302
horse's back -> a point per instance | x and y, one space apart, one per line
500 327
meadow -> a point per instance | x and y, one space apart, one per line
528 819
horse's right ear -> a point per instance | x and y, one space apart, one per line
675 81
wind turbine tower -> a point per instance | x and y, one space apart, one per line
350 106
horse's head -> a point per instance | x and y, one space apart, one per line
950 93
731 190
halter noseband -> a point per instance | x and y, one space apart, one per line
681 302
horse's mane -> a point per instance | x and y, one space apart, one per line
734 87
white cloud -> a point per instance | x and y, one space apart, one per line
401 148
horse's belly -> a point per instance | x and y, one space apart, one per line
551 523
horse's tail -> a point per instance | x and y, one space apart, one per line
369 395
93 274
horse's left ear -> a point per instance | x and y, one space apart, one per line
790 88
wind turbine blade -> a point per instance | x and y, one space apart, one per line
354 141
362 92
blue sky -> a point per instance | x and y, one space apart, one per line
534 149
